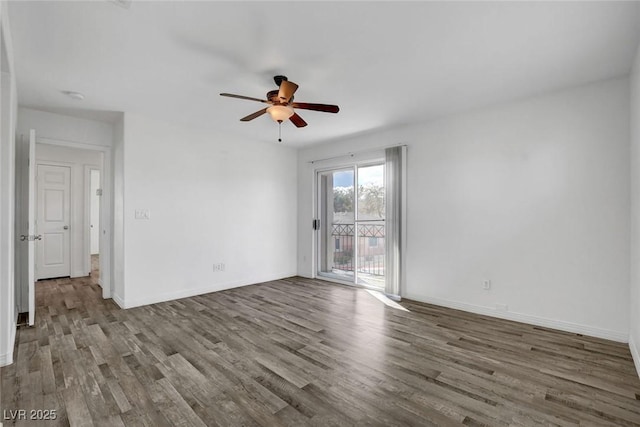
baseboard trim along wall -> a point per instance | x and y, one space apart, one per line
634 353
118 300
529 319
170 296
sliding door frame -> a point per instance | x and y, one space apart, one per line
317 212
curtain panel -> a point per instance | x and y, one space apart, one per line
394 163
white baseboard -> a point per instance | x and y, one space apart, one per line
618 336
634 353
185 293
118 300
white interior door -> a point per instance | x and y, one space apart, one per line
31 233
53 250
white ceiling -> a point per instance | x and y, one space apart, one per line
384 63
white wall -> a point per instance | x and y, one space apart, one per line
8 110
76 159
64 128
212 198
634 332
533 195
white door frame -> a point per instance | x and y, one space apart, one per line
31 216
106 207
87 214
369 159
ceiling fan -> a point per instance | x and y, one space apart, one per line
282 105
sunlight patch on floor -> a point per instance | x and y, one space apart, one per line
387 301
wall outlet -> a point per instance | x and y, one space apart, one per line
502 307
218 267
486 285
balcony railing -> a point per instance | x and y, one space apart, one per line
370 247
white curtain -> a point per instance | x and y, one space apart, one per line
394 178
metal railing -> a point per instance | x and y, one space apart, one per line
370 247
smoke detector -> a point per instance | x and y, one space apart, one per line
73 95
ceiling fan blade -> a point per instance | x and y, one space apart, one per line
316 107
231 95
297 120
287 89
254 115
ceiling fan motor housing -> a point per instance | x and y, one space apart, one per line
272 96
279 79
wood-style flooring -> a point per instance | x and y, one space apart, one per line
300 352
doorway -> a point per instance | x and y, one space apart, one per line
351 208
93 199
74 156
82 226
53 209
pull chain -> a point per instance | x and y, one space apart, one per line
279 130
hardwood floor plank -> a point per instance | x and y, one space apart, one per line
76 406
296 352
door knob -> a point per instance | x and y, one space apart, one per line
66 227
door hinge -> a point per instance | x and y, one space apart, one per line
316 224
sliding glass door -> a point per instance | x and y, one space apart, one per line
336 257
351 233
370 225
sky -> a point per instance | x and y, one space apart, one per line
366 174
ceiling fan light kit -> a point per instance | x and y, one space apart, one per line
281 104
280 113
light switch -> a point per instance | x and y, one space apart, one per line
142 214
